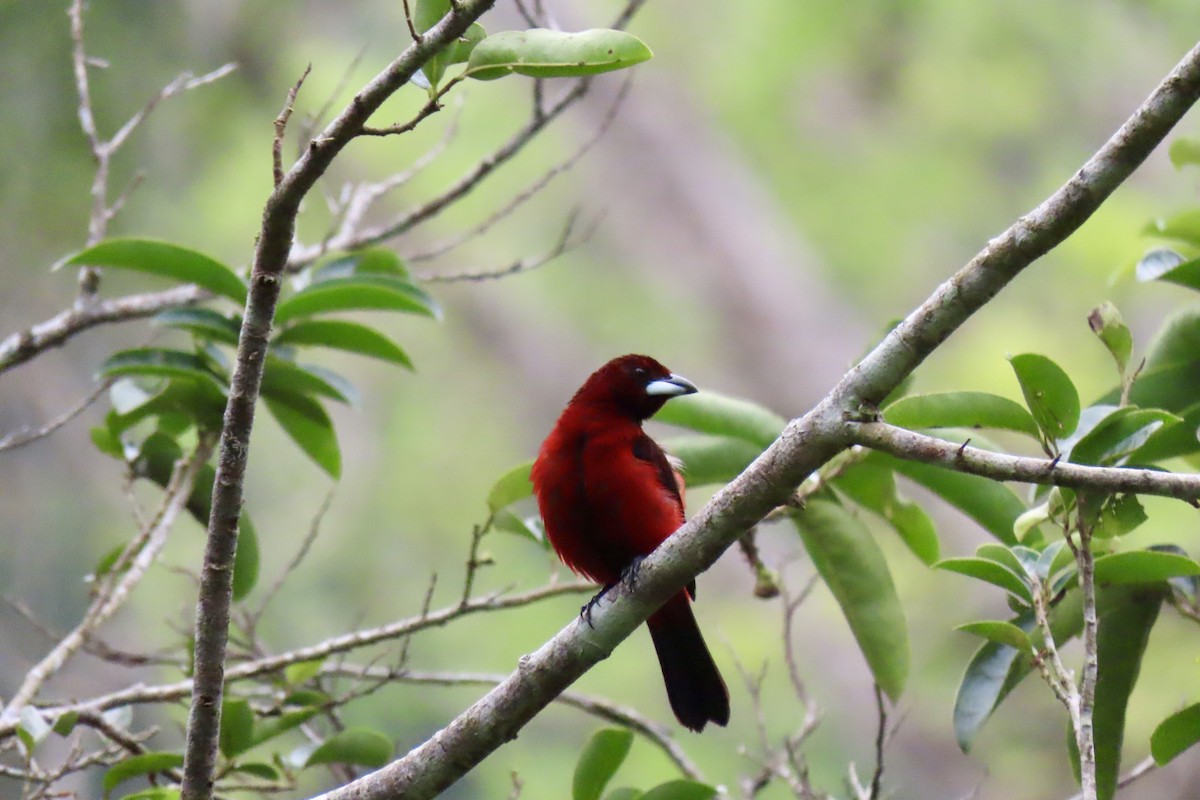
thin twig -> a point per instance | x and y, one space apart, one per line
22 437
281 121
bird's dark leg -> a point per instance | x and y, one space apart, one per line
630 573
585 610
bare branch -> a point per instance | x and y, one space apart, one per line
25 345
24 436
1113 480
281 121
139 556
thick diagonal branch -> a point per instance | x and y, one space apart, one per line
804 446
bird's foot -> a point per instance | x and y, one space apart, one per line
629 575
585 611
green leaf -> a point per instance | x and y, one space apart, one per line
155 793
624 793
303 671
997 669
1119 516
720 415
141 764
512 486
993 505
203 322
1175 734
1126 614
1106 322
306 422
1143 566
711 460
363 746
1049 393
601 757
991 572
282 378
66 722
1000 632
368 261
359 292
348 336
1184 227
526 526
541 53
1184 151
165 260
259 769
960 410
1118 432
159 362
1176 343
202 401
32 727
245 560
270 728
680 790
853 567
1156 263
237 726
872 485
459 52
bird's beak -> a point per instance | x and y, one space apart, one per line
671 386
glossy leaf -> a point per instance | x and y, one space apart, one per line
526 526
871 484
309 426
624 793
999 632
1049 394
203 322
721 415
541 53
993 505
155 793
357 293
141 764
1143 566
680 790
1156 263
960 410
1106 322
271 727
201 401
368 261
362 746
997 669
165 260
282 378
237 726
853 567
158 362
259 769
1118 433
342 335
512 486
601 757
1118 516
711 460
302 671
991 572
32 727
66 722
1175 734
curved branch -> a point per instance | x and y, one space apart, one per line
912 446
804 446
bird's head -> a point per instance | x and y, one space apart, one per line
634 386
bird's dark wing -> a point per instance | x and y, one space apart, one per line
646 449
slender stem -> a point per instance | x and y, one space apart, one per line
1085 734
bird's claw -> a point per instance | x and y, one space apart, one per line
630 573
585 611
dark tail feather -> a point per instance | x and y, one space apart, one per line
694 686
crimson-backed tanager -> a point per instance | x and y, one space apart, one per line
609 495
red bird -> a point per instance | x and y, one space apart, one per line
608 497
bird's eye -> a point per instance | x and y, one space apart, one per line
639 372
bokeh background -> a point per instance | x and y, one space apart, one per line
782 181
